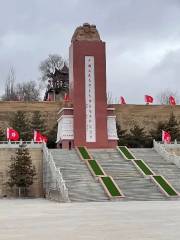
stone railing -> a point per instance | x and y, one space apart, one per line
16 144
54 184
170 157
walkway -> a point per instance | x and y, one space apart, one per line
44 220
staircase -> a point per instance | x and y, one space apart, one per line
82 186
130 181
159 165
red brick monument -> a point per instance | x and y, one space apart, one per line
88 121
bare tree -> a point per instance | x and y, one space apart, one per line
163 97
49 66
10 94
27 91
55 74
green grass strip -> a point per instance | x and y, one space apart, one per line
165 185
143 167
126 152
95 167
111 187
84 153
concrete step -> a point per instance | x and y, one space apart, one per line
128 178
81 185
159 165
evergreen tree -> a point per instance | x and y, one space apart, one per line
2 135
52 135
21 171
156 133
172 126
121 135
38 123
138 137
20 123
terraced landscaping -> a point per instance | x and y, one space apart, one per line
159 180
165 185
125 152
107 182
145 169
111 187
84 153
96 168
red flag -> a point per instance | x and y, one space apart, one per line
122 100
172 100
148 99
12 134
166 137
38 137
49 98
45 139
66 97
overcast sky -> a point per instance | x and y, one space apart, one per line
142 38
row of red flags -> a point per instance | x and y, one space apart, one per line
149 99
66 97
13 135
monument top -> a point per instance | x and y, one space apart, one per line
86 32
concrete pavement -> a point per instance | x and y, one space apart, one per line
41 219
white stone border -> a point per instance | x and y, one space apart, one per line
60 184
64 108
16 144
161 150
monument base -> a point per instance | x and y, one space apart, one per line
69 144
65 144
109 144
65 135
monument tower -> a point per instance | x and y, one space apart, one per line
88 121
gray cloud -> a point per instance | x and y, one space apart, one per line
142 36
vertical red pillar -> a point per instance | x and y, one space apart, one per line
88 88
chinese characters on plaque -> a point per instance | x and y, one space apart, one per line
90 99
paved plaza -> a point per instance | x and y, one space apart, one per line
41 219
